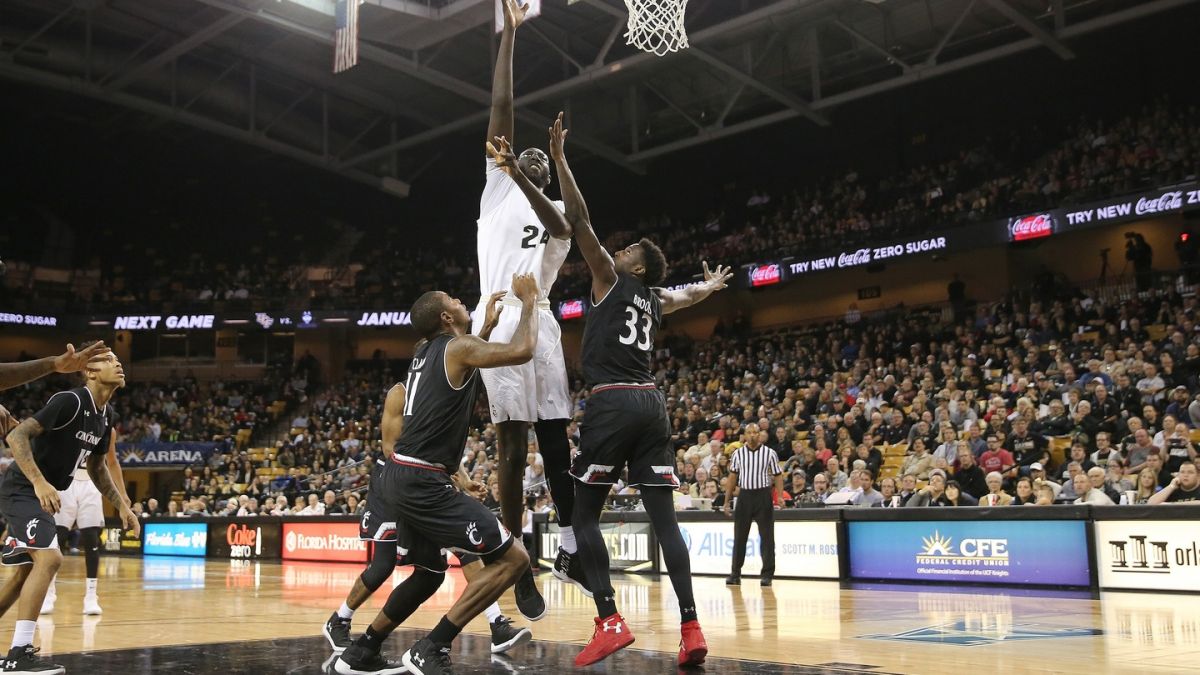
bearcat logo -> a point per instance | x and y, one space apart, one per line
473 535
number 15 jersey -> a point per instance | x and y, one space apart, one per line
511 240
619 336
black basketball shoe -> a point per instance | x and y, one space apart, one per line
427 658
337 631
25 661
358 660
568 568
529 599
506 636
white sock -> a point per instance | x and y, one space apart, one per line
23 635
493 612
344 612
91 587
567 539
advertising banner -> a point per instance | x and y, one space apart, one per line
1050 552
802 549
165 454
1148 554
631 546
1131 207
186 539
323 541
1036 226
116 539
245 539
29 319
571 309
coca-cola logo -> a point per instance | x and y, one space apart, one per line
570 309
860 257
765 275
1168 201
1031 227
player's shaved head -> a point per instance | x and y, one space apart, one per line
427 311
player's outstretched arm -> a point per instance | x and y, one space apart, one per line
70 361
501 121
97 468
576 207
470 352
714 280
393 418
500 150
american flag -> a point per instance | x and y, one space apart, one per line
345 35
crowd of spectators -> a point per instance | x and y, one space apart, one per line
908 408
1010 172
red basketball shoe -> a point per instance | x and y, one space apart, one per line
611 635
692 648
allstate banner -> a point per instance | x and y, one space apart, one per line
802 548
165 454
1049 552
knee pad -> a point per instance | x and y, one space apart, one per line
380 567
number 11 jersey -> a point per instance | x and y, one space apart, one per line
619 336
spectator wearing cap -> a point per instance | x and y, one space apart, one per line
1178 405
1037 474
797 487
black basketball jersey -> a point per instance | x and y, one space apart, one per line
436 414
72 428
619 335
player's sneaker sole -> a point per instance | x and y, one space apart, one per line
566 578
522 637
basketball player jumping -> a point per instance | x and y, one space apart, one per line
416 492
81 506
626 419
375 527
517 236
48 448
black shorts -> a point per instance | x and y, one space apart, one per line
29 526
625 425
375 525
431 515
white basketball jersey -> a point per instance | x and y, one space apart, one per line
511 240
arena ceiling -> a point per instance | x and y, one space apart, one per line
259 71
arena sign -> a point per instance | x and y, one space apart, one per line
1046 552
170 321
165 454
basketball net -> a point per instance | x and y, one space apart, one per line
656 26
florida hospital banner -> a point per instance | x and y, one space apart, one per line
802 548
1044 552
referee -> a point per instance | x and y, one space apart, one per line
752 469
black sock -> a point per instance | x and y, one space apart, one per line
687 614
606 606
444 633
371 639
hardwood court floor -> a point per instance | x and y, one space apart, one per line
189 615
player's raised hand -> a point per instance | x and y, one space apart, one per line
558 139
501 152
8 422
72 361
492 316
525 287
717 278
514 14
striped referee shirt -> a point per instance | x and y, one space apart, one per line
755 469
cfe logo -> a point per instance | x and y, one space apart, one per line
940 550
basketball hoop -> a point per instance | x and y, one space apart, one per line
656 26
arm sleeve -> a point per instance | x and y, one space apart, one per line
59 411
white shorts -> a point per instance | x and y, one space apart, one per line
80 505
532 391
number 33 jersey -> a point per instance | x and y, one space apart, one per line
72 428
619 336
511 239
